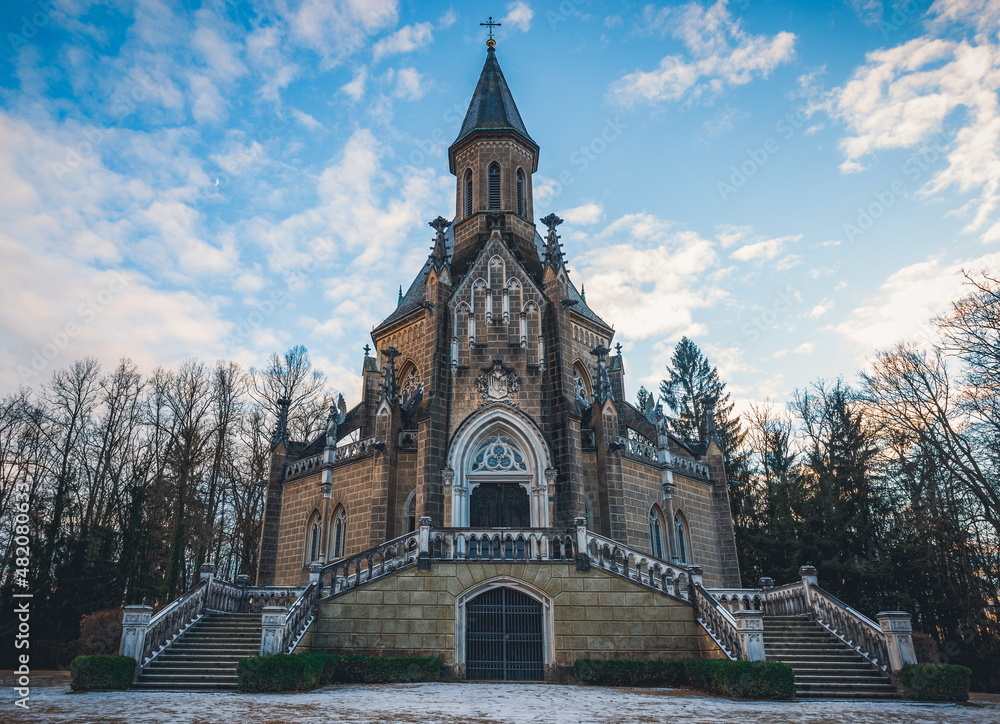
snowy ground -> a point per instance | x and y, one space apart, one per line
465 704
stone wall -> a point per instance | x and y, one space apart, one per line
595 614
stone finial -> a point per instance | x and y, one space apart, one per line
281 429
602 390
439 252
390 388
553 249
711 425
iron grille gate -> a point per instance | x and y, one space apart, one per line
504 637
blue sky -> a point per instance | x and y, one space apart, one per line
792 184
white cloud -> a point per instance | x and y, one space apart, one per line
821 309
337 30
907 301
647 275
519 14
937 96
409 84
764 249
356 87
584 215
868 11
722 55
404 40
805 348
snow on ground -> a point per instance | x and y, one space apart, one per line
454 703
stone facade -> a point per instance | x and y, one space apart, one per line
492 399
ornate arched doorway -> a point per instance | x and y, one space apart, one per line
499 472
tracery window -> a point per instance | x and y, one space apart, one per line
339 533
411 385
683 542
498 453
655 533
580 386
313 536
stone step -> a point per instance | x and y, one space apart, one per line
187 677
218 664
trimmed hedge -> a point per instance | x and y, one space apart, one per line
742 679
936 682
301 672
102 672
617 672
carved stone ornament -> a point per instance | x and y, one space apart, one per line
447 477
497 382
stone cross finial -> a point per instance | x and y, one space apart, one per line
553 249
490 24
439 252
367 348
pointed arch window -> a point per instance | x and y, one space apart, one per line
314 532
339 532
494 186
467 202
520 192
655 533
683 539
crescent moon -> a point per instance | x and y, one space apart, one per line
216 182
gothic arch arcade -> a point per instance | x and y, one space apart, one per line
499 472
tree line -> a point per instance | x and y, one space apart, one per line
134 481
889 486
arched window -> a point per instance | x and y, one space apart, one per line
339 532
520 192
683 539
468 193
314 533
655 532
410 512
581 384
494 187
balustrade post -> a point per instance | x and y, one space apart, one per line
696 575
424 544
897 630
750 625
135 623
314 572
272 630
582 555
810 578
243 581
207 571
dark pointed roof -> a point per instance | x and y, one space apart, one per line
492 106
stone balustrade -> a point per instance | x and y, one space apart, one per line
645 453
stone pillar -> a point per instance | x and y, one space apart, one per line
696 575
582 555
207 571
750 625
424 544
135 621
897 630
314 571
272 630
809 579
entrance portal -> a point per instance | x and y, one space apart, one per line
504 637
499 505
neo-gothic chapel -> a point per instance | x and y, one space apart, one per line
494 499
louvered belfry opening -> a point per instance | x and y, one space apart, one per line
494 187
504 637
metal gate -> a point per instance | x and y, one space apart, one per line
503 639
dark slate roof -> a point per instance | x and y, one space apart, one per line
582 308
492 105
417 292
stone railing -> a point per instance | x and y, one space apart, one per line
852 627
609 555
330 457
528 544
144 636
304 465
282 628
787 600
638 450
369 565
739 599
688 467
718 622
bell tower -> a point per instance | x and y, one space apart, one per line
493 160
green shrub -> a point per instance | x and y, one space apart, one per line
742 679
617 672
301 672
936 682
102 672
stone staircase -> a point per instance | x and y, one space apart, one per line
204 657
825 667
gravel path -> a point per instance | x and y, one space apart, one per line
454 703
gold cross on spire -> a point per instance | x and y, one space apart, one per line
490 24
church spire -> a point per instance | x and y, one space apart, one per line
492 107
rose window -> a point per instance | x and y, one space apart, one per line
498 454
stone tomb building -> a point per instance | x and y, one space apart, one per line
494 499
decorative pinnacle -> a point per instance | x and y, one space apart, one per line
618 348
490 43
367 348
553 250
439 252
